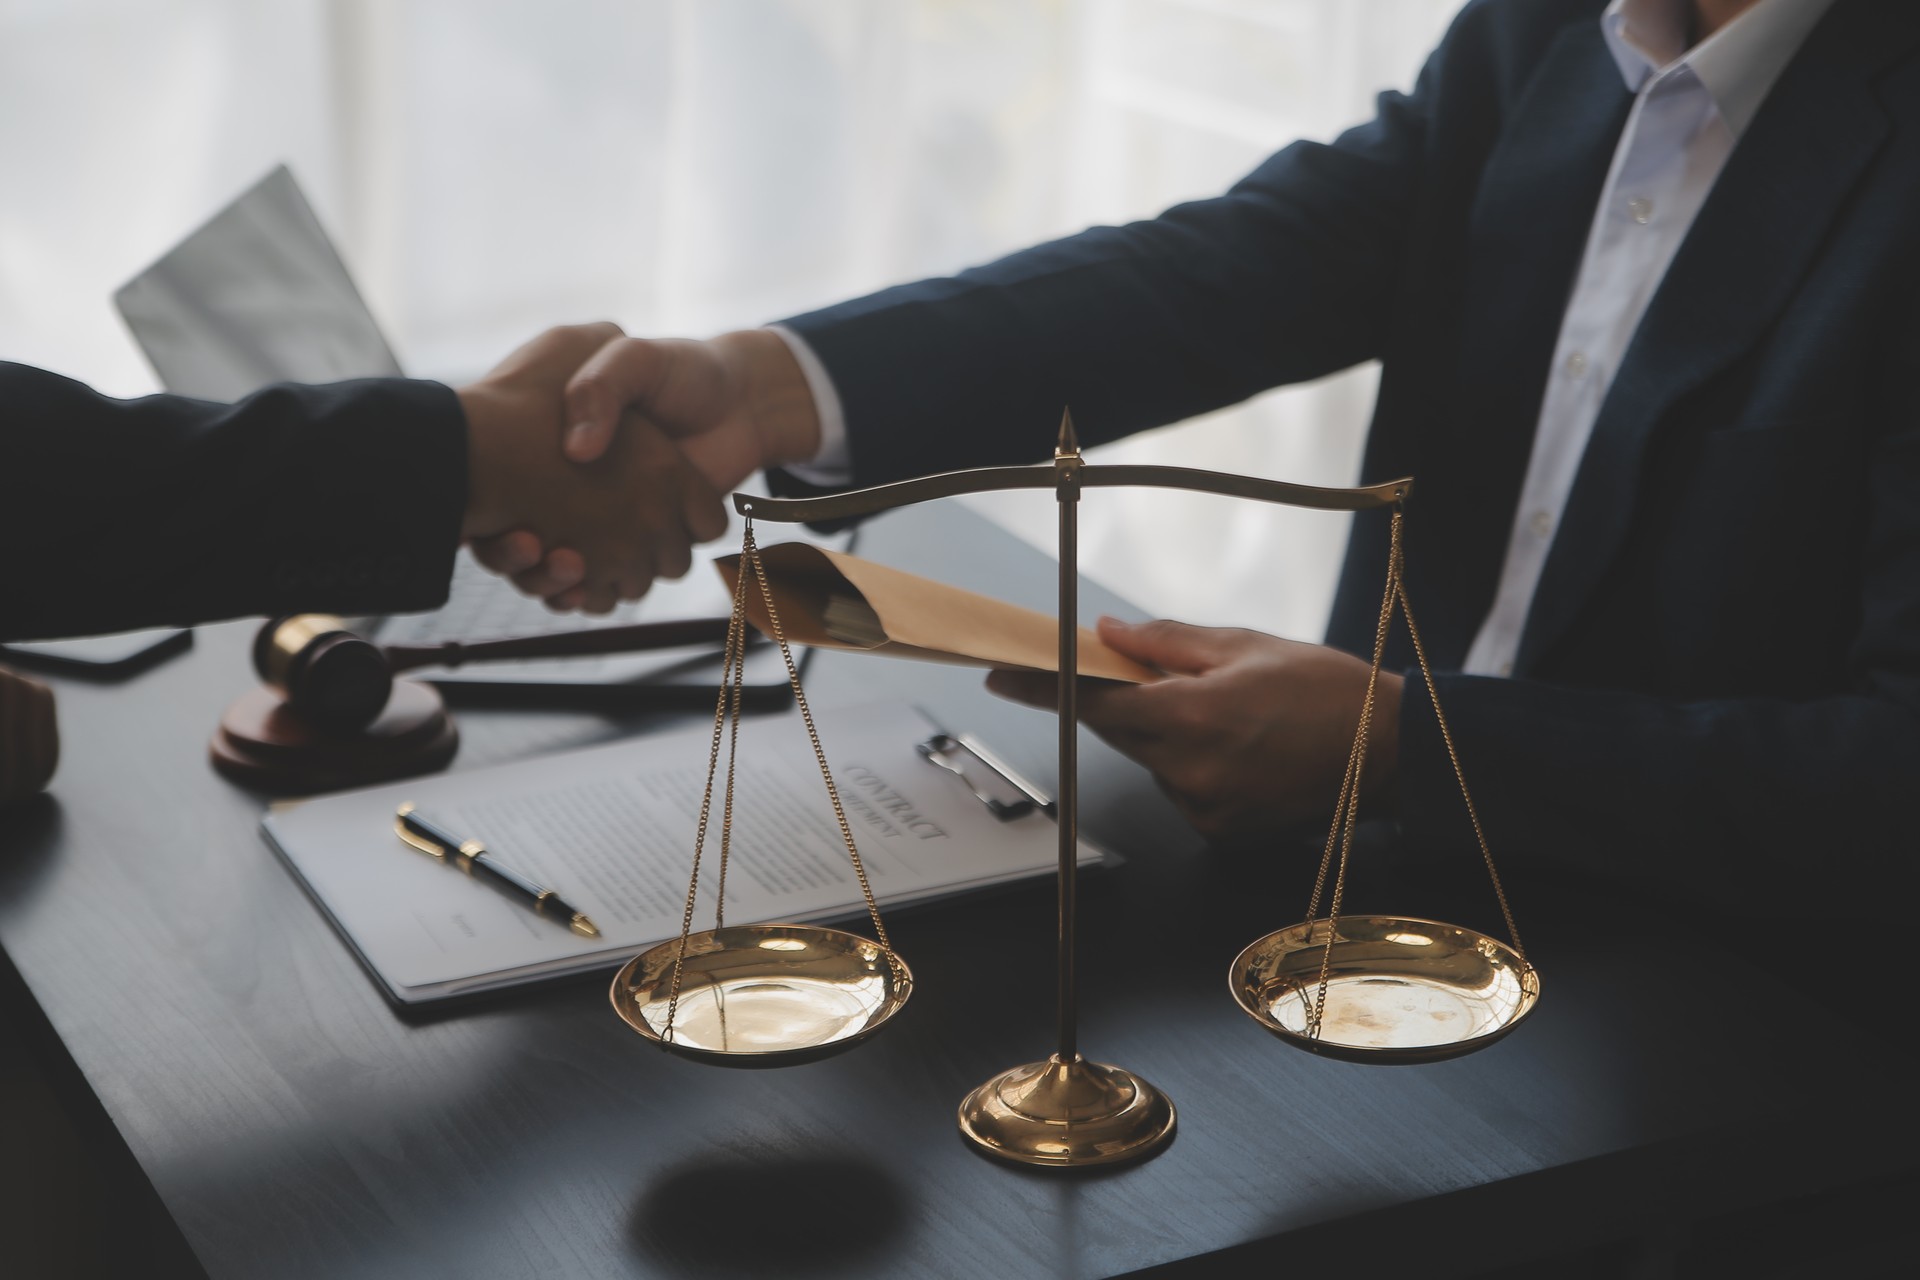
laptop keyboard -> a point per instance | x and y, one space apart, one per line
483 606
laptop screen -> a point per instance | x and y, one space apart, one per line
256 294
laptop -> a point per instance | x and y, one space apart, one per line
259 294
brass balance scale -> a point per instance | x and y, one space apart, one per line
1359 988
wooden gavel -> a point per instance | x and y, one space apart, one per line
339 681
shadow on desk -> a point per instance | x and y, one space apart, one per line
812 1216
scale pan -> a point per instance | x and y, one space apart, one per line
769 995
1399 989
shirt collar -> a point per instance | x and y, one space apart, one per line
1737 64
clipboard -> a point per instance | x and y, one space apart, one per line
610 828
994 783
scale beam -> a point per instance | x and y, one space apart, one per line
948 484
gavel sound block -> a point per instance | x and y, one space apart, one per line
329 713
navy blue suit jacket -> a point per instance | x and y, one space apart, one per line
1718 687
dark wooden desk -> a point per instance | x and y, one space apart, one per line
293 1124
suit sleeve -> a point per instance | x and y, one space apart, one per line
344 498
1286 277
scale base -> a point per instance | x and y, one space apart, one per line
1067 1115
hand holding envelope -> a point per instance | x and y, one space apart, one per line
1245 732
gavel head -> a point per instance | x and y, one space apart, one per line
333 679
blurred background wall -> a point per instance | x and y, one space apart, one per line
489 167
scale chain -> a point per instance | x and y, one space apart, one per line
1459 774
1349 783
726 722
751 552
1346 807
735 659
736 677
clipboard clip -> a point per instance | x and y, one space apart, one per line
993 782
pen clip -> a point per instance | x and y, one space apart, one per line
407 834
430 838
953 752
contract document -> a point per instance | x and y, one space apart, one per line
611 829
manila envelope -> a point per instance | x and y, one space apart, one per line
837 601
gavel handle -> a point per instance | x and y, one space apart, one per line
644 635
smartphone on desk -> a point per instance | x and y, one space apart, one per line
108 657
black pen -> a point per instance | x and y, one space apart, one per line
471 856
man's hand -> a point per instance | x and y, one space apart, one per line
737 403
29 737
631 517
1248 733
729 406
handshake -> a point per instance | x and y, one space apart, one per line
596 462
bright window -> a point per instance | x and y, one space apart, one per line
682 166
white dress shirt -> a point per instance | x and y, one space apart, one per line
831 466
1690 107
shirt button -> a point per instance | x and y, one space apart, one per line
1576 365
1641 210
1541 523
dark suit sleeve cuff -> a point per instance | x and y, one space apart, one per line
372 519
